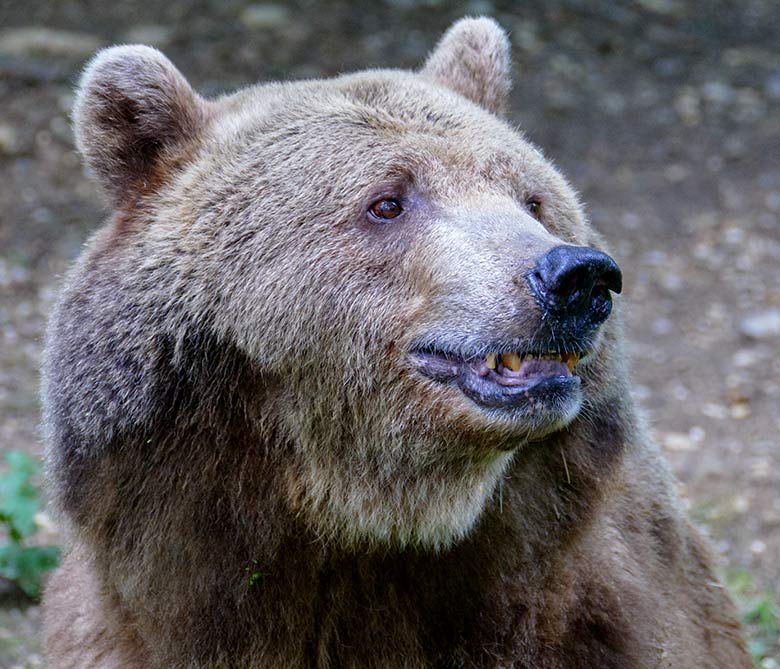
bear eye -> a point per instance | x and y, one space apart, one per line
534 207
384 210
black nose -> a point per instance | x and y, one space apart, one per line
573 282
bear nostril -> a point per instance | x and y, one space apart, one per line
573 286
575 280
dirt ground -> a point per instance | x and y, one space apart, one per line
665 114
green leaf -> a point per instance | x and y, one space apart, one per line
27 565
19 502
9 560
18 496
757 649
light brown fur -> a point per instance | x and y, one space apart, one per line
252 472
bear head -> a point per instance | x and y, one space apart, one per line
414 286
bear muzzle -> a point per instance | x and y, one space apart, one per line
572 285
572 288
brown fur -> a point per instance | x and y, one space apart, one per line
251 471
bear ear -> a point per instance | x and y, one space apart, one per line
472 58
134 113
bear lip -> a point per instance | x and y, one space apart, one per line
490 383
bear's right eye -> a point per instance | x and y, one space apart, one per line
384 210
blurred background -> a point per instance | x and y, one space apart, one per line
664 114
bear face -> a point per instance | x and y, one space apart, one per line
370 244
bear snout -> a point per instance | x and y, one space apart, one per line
572 285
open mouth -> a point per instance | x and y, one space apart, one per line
508 379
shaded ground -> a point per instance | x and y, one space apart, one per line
665 116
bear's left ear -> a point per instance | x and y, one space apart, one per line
472 58
134 115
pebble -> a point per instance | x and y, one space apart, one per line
60 128
43 138
688 107
772 201
676 173
48 42
671 282
734 234
749 106
718 93
9 140
735 146
697 434
722 546
565 67
717 411
151 35
757 546
669 67
477 7
760 468
613 103
740 410
662 326
42 216
65 102
45 522
772 86
677 441
631 220
741 504
746 357
526 37
714 163
558 97
761 324
265 17
11 275
664 7
702 221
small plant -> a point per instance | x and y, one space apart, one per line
254 574
760 612
19 502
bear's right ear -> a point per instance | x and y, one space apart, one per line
134 112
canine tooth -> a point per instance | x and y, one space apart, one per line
571 359
511 360
491 360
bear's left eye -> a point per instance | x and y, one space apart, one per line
534 207
384 210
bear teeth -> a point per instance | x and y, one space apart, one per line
571 360
514 360
511 360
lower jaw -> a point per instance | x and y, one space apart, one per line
547 390
529 415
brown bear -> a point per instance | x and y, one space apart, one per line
337 385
